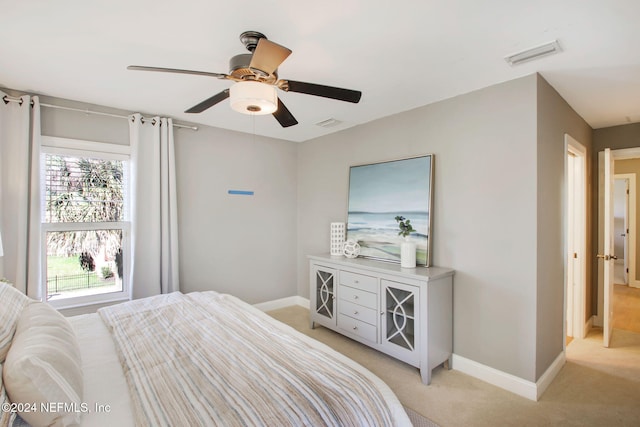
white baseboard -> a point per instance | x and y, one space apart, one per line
588 326
549 375
517 385
597 321
283 302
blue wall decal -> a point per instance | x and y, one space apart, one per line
241 192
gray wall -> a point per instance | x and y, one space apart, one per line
555 119
484 219
76 125
616 138
498 210
242 245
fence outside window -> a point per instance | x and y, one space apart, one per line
73 282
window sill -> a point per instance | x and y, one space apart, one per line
77 308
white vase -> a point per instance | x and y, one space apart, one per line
407 254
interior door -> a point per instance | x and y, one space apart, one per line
608 256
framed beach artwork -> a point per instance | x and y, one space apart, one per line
379 192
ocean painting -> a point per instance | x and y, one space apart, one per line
381 191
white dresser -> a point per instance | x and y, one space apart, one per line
403 312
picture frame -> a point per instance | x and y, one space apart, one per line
378 192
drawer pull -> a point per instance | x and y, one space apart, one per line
355 328
355 297
356 281
355 312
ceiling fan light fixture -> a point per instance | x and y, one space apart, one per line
253 98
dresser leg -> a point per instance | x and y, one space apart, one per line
312 324
426 375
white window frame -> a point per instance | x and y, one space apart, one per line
94 149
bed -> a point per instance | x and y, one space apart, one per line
178 359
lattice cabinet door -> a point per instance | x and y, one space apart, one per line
323 295
400 322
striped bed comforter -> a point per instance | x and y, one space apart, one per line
204 359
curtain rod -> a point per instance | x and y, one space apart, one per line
7 98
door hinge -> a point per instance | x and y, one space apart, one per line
627 270
575 254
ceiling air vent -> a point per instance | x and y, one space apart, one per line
534 53
328 123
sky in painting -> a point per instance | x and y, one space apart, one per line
396 186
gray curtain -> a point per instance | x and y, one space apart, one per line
20 193
154 236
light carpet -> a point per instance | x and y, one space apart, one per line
596 387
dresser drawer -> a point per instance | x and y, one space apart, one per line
359 281
359 312
358 327
357 296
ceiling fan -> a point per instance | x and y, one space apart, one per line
256 77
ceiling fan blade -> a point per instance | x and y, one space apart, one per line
268 56
340 94
208 103
284 116
178 71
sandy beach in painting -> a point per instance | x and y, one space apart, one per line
377 234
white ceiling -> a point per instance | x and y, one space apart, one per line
401 55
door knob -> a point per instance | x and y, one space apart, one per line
604 257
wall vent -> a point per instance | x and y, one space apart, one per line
534 53
328 123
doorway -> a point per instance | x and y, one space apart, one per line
625 298
575 236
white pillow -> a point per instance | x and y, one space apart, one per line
7 418
12 303
43 366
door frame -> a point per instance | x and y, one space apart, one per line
579 232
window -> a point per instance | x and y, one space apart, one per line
85 221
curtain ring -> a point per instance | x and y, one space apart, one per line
7 100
